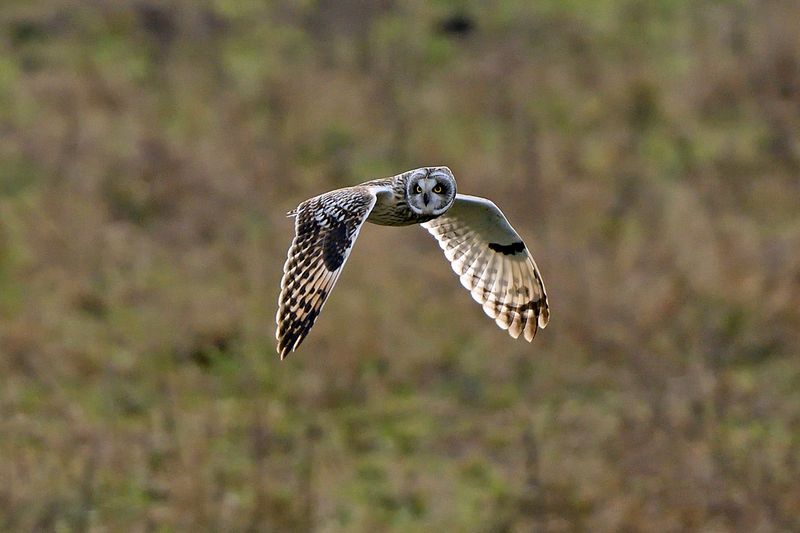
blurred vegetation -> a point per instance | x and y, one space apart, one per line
647 151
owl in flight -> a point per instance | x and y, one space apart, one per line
485 252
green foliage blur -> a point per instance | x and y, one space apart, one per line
648 152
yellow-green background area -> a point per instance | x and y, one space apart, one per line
648 152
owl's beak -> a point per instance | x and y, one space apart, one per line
426 198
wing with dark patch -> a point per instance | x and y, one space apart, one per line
325 229
493 264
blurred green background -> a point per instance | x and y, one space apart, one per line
648 152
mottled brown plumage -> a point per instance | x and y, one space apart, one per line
489 257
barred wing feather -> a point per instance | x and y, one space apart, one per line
326 227
493 264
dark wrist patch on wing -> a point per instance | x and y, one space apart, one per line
334 246
508 249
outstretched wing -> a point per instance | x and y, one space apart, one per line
493 264
325 229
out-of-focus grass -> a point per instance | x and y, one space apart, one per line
648 152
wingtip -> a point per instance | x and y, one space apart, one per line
285 349
544 318
282 349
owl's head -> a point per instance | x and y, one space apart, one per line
431 190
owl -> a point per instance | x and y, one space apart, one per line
483 249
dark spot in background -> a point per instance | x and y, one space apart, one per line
158 21
456 25
93 304
207 348
26 31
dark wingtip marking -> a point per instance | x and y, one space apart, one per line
508 249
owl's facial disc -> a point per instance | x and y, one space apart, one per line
431 191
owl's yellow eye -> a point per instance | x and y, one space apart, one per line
418 189
438 189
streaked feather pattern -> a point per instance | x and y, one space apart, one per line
326 227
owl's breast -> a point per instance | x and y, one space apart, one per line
392 210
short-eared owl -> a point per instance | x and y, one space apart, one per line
484 250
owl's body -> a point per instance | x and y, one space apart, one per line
391 206
484 250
